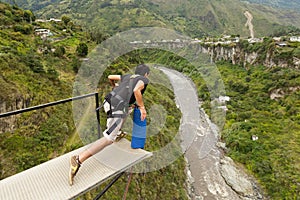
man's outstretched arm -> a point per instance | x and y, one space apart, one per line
113 79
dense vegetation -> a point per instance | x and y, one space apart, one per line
269 47
35 71
274 157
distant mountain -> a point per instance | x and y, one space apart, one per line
285 4
196 18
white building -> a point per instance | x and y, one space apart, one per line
295 39
224 98
255 40
54 20
42 32
254 137
277 39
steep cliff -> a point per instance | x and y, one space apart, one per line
16 102
267 55
10 99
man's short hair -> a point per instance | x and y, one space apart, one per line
142 69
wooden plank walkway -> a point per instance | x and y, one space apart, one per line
49 180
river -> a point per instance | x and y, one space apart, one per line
199 143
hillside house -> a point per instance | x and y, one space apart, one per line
295 39
41 20
196 40
254 137
236 39
254 40
224 108
277 39
281 44
42 32
49 20
223 99
54 20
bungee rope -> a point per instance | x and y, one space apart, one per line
128 183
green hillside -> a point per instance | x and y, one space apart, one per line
196 18
35 70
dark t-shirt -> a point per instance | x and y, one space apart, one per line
122 90
135 81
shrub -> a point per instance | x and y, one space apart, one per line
59 51
28 16
82 49
25 29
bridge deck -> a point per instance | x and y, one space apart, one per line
49 180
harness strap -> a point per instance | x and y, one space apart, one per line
130 88
112 128
117 115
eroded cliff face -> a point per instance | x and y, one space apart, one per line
15 102
238 55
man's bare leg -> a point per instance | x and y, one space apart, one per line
94 148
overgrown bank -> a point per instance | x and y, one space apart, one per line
274 157
263 133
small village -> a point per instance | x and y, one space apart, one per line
280 41
226 40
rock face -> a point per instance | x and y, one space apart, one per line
237 55
281 92
7 124
240 182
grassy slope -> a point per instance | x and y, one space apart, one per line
33 77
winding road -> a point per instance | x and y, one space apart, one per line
249 17
199 137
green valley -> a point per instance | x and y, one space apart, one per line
43 47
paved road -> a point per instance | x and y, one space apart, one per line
199 143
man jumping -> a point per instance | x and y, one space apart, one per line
129 91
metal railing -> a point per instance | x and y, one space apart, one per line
97 106
96 95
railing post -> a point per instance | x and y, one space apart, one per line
98 114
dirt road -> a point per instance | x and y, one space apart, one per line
249 17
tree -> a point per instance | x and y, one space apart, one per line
60 51
25 29
28 16
82 49
66 19
34 63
